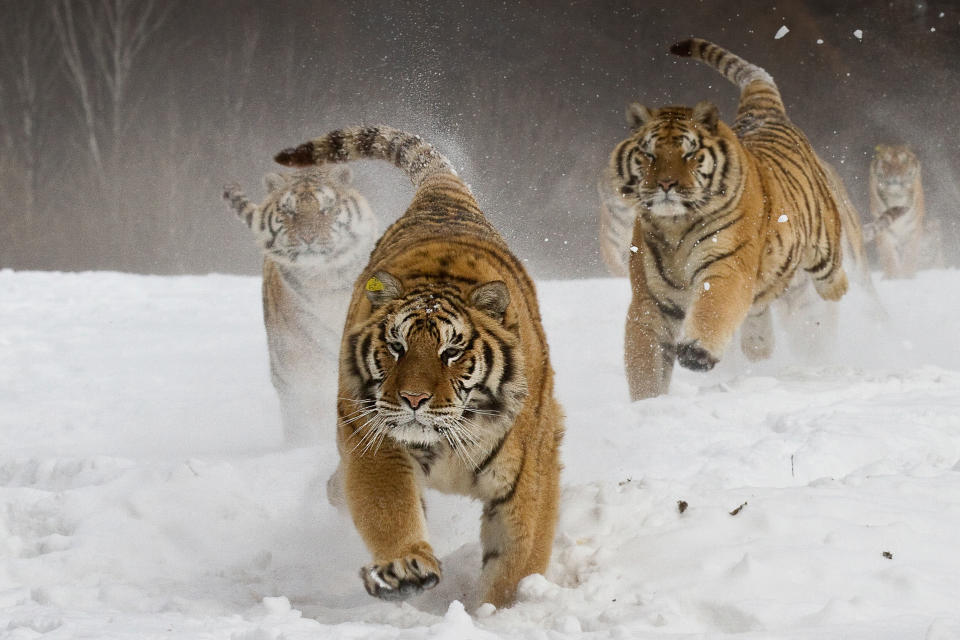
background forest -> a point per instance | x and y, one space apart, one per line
121 120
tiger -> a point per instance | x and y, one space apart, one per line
727 219
616 227
895 180
315 232
445 380
617 216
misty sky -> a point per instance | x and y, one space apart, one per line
108 166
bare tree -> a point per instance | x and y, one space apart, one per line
101 42
26 75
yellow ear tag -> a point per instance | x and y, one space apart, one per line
374 284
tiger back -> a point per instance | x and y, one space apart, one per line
895 181
445 380
315 232
727 217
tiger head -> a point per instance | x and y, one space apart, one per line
676 160
435 364
313 217
895 170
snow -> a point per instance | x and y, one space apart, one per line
145 492
782 31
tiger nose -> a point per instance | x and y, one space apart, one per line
307 235
666 185
414 399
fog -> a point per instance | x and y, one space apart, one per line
121 121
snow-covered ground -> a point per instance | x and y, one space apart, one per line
145 492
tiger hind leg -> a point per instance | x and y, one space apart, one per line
756 336
810 323
832 282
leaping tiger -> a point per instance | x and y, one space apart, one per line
726 220
315 232
445 380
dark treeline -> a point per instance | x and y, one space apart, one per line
120 120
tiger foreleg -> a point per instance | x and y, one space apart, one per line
756 335
649 350
910 259
888 255
723 301
385 503
516 534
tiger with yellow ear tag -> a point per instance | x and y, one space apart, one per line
445 380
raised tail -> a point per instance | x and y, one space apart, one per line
731 66
240 204
736 70
408 152
882 222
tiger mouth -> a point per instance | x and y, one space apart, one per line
667 204
306 252
414 431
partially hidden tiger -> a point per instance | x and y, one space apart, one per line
727 218
445 380
910 243
315 231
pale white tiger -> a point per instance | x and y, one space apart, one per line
316 232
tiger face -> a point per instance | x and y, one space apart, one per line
432 365
674 161
314 218
895 169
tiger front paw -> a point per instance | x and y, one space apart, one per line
402 578
691 355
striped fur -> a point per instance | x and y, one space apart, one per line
727 218
445 380
616 227
315 231
895 181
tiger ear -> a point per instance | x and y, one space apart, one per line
273 182
381 288
492 298
341 174
637 115
706 114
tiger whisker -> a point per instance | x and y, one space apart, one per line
374 428
462 453
371 428
376 433
483 412
361 414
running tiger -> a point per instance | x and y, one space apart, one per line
895 182
445 380
315 232
727 219
617 215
